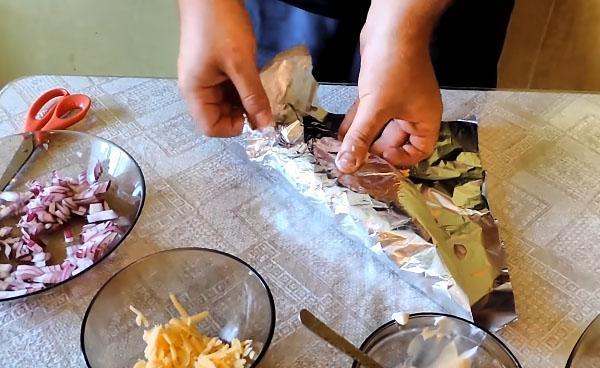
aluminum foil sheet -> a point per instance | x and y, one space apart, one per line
432 221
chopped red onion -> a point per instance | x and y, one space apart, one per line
67 271
38 257
22 251
55 189
98 170
82 264
48 278
27 272
61 217
69 202
8 210
102 216
61 207
44 216
52 208
5 231
11 241
68 236
5 267
95 207
46 208
53 268
14 196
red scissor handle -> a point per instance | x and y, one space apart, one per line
53 119
63 107
31 122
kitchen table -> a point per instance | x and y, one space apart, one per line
541 151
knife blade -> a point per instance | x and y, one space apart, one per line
21 156
320 329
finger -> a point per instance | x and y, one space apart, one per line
246 80
419 129
416 149
225 120
216 117
366 125
348 120
392 137
231 95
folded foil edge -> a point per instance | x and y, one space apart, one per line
388 232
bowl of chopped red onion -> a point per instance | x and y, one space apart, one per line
73 200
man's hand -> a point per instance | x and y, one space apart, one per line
217 70
399 98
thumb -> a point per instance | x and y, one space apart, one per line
246 80
361 134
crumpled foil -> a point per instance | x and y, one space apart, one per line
432 222
289 84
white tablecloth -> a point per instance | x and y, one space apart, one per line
542 153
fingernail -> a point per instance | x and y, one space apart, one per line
346 161
264 119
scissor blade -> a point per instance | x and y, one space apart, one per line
19 159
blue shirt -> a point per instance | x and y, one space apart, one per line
333 8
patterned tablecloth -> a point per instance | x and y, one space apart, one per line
542 153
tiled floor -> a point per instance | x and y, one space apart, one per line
553 44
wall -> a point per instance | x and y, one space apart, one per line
111 37
553 44
550 44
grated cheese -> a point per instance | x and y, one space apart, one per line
139 317
179 344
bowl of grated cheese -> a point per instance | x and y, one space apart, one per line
180 308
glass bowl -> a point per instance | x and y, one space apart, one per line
430 336
70 153
237 298
586 353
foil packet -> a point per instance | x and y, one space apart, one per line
432 221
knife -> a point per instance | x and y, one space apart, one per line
320 329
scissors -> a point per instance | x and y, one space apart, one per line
65 111
61 114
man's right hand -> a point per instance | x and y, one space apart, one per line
217 70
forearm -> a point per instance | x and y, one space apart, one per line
188 10
407 21
193 11
213 28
